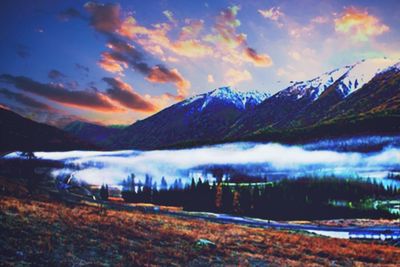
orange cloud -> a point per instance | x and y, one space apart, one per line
4 107
156 41
233 76
191 30
108 63
232 46
260 60
124 55
225 26
85 99
124 94
160 74
190 48
359 24
210 78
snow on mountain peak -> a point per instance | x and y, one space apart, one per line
350 78
362 72
315 87
226 94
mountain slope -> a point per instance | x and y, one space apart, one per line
361 98
374 109
19 133
206 117
306 103
93 133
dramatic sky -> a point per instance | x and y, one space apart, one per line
116 62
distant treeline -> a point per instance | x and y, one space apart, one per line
304 198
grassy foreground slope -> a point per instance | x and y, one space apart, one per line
49 233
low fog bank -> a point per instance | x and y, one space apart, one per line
259 160
371 143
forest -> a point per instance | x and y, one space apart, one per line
302 198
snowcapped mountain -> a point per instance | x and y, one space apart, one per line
348 78
227 95
365 95
201 118
315 87
362 72
310 102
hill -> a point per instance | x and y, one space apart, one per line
93 133
19 133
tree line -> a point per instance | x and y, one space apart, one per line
304 198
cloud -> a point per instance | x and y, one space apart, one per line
55 74
274 13
25 100
155 40
210 78
259 60
226 43
170 16
22 51
104 17
3 106
131 43
233 76
320 20
190 48
232 46
82 67
160 74
124 94
295 55
110 64
192 29
124 55
225 26
57 92
69 13
359 25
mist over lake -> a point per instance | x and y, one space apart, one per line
269 161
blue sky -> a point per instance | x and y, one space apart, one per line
116 62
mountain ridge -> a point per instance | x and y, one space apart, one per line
19 133
364 93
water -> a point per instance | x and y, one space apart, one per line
272 161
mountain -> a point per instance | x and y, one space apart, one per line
227 96
19 133
305 104
206 117
362 98
373 109
93 133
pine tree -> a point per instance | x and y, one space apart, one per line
104 192
218 196
164 185
236 203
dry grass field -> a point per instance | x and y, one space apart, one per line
44 232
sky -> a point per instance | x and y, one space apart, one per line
118 62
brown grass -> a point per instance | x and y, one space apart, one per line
50 233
